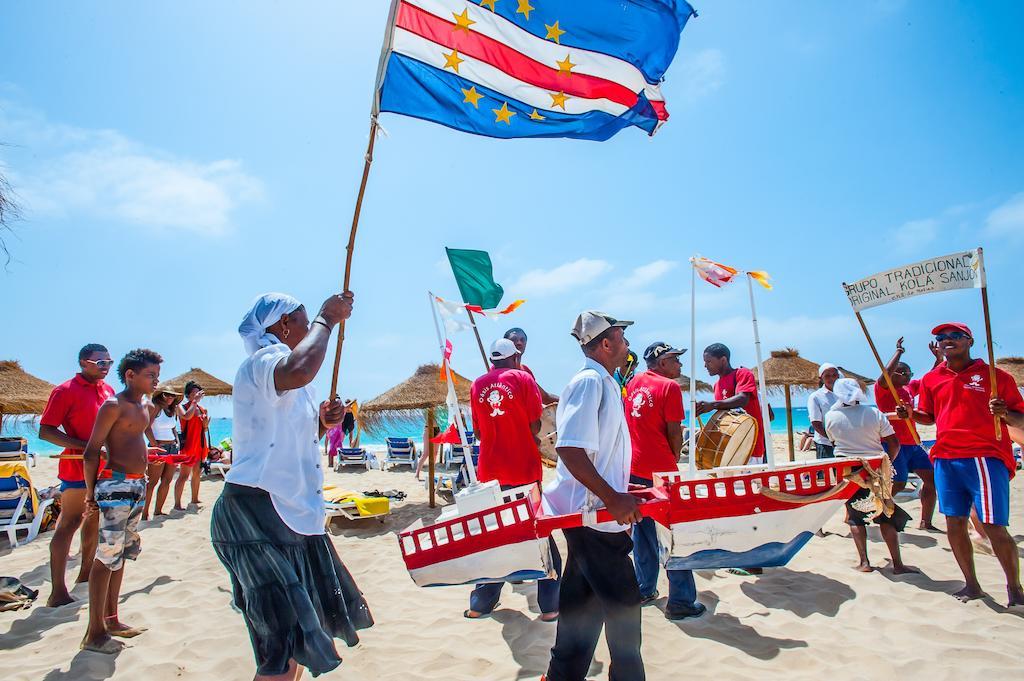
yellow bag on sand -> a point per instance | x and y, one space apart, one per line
366 506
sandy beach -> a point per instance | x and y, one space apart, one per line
816 616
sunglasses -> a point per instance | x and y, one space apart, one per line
952 335
101 363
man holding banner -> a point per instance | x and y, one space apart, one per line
973 465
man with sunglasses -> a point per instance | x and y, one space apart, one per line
972 467
911 456
67 422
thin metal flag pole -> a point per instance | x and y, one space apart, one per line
453 399
350 249
769 449
479 342
993 388
692 446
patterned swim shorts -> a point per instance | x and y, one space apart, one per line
120 501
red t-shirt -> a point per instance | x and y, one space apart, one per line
72 407
887 405
963 423
504 403
652 402
742 381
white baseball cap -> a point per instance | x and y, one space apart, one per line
591 324
503 348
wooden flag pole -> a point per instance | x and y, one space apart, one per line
479 342
350 248
993 388
885 373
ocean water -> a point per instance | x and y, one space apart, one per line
221 428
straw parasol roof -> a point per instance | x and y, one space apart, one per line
213 386
1013 366
407 401
21 392
787 367
702 387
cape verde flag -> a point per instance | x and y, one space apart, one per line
530 68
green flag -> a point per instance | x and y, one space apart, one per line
474 275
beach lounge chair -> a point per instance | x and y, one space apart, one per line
16 449
353 505
20 507
352 457
401 452
455 455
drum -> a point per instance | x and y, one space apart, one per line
727 439
547 435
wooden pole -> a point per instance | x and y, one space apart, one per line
350 248
428 432
479 342
994 389
885 374
789 423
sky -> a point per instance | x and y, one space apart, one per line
174 160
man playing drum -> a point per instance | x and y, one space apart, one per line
654 413
734 389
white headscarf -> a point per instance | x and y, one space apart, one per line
825 367
848 391
265 312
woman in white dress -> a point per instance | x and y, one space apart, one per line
268 525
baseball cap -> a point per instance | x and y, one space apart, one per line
660 349
825 367
956 326
591 324
502 348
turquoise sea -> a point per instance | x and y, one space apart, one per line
221 428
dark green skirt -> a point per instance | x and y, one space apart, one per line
293 590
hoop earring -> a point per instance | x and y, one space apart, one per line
286 333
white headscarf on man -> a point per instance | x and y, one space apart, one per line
848 391
265 312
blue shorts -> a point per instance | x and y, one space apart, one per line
911 458
71 484
982 482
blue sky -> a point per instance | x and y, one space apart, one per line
174 160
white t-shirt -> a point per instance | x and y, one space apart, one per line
818 404
163 426
590 416
275 439
857 430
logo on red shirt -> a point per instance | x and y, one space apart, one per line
975 384
495 395
641 397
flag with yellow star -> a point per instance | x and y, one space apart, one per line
531 68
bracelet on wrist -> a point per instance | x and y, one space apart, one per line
323 322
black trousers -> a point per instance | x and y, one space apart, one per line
598 589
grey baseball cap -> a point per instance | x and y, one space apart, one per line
591 324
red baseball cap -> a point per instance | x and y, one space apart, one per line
952 325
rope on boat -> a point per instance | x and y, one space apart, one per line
804 499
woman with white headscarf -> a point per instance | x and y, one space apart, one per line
857 429
268 525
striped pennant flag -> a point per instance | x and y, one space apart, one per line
583 69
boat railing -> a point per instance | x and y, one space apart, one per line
519 510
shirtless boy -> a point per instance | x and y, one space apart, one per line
118 495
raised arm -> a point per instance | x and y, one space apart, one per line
891 366
301 366
105 419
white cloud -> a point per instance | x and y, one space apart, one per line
644 275
103 174
1008 219
910 236
700 74
563 278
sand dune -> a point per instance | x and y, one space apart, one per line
817 617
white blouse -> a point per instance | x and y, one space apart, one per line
275 442
163 426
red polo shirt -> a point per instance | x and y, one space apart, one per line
963 423
742 381
72 407
504 403
652 402
886 404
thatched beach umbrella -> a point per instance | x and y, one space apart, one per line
785 370
701 386
1013 366
21 392
212 386
415 398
